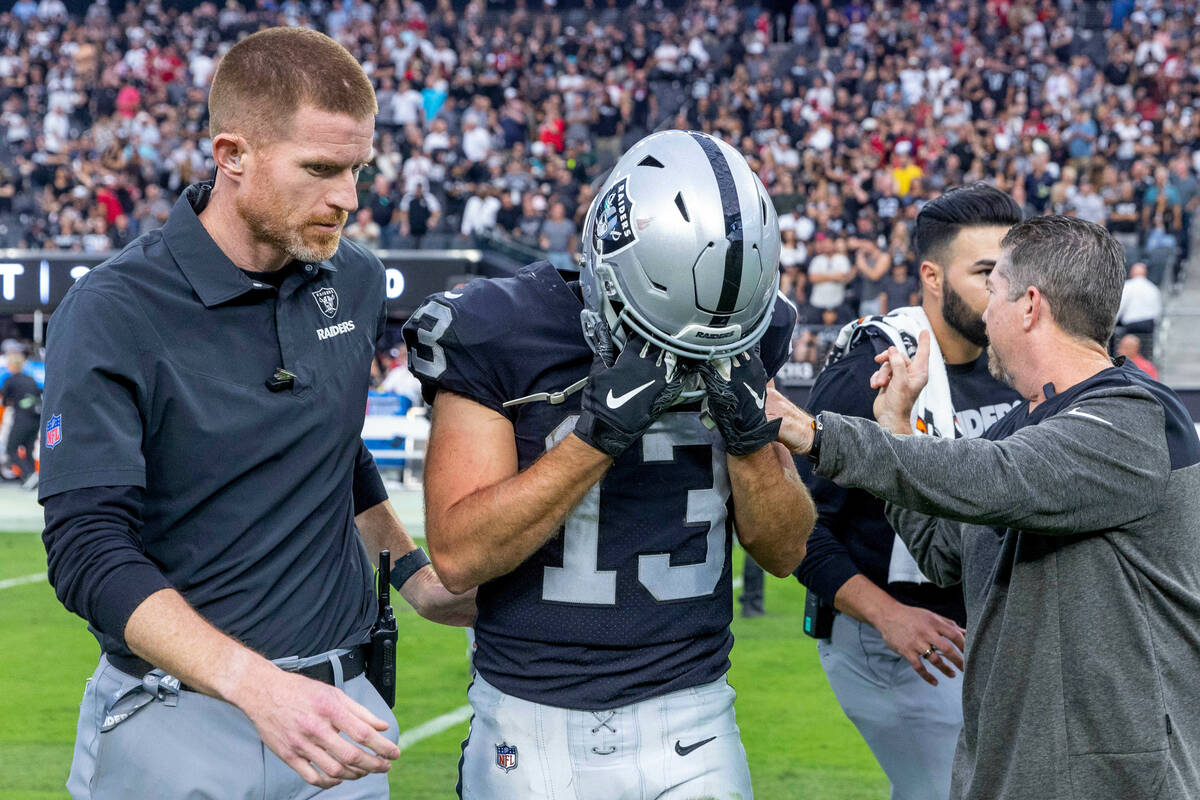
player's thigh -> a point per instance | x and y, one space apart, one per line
700 745
514 749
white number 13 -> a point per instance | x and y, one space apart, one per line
579 580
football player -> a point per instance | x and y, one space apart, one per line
595 446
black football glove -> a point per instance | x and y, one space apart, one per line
622 400
736 404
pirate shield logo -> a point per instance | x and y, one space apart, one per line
613 230
327 301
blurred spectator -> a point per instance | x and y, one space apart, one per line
1141 303
365 230
558 237
829 271
398 379
899 289
872 266
380 202
1089 205
419 212
1130 347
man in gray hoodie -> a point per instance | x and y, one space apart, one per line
1072 526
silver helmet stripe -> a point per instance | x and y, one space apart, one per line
732 209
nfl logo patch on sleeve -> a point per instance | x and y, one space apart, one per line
506 756
53 431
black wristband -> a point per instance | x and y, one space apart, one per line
407 565
814 450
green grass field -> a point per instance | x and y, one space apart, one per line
799 743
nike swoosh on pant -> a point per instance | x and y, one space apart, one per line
683 751
620 400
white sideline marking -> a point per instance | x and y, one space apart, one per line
8 583
434 726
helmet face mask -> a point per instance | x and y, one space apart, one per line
681 246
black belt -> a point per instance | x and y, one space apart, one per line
354 663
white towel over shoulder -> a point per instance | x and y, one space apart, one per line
933 414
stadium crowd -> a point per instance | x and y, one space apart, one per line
498 121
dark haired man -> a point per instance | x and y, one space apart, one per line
889 611
210 524
1070 525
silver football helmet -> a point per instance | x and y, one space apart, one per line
681 246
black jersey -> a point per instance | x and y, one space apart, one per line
633 598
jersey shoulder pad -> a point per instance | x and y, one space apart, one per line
459 339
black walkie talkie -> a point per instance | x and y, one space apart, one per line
381 669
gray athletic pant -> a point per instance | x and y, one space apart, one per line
199 748
911 727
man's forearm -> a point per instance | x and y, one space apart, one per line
166 631
381 529
862 599
773 511
490 531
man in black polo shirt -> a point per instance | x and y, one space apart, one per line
204 480
874 658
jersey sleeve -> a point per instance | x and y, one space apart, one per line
91 433
452 340
777 341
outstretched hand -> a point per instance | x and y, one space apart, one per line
900 381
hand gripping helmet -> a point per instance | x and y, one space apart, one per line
681 246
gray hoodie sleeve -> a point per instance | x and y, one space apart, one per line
1098 465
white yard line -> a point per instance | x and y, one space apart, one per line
8 583
434 726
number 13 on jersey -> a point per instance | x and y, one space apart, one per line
580 580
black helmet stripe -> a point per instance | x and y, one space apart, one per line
732 283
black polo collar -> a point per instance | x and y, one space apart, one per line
212 275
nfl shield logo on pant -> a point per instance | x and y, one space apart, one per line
506 757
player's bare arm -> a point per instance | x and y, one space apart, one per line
301 720
773 511
482 516
381 529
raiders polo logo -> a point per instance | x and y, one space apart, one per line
614 227
327 301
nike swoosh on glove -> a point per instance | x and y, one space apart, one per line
737 392
621 401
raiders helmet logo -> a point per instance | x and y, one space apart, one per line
613 230
327 301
